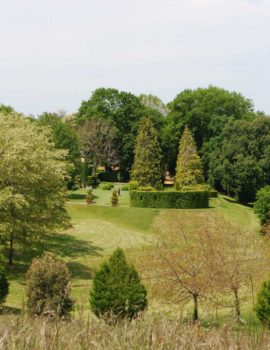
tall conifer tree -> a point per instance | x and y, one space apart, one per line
189 167
147 168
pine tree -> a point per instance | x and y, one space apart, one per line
189 168
117 289
262 306
147 168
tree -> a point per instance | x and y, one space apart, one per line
124 111
239 161
262 204
185 264
205 111
48 287
4 284
117 290
243 261
32 182
99 142
147 170
64 137
188 167
154 103
262 307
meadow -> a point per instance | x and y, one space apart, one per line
99 228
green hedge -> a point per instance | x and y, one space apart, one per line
107 187
213 193
174 199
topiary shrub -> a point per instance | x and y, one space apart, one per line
167 199
89 197
125 187
107 186
262 307
48 287
131 186
4 285
114 199
93 181
117 290
262 205
146 188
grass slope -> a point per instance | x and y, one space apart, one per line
100 228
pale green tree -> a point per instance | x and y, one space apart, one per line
189 170
32 182
147 168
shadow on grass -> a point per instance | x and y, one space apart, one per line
8 310
233 201
76 196
62 245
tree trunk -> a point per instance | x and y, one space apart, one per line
11 249
237 305
195 311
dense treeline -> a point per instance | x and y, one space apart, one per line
233 140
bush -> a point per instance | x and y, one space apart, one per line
131 186
93 181
146 188
89 197
175 199
107 187
262 204
114 199
117 289
4 285
262 306
48 287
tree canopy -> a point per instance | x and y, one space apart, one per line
32 181
147 170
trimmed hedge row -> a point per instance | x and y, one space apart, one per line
174 199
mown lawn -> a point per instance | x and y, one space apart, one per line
99 228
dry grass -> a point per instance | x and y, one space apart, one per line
156 333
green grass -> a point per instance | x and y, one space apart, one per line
99 228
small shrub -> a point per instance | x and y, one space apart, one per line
4 285
262 205
89 197
114 199
146 188
262 306
93 181
131 186
117 289
107 186
48 287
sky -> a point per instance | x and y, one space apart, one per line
54 53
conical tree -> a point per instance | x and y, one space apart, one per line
189 167
147 170
117 289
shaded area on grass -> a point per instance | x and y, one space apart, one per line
64 246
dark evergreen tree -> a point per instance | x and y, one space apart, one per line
262 306
117 290
147 169
189 168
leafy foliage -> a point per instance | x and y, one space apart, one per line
147 170
262 306
48 287
169 199
262 204
64 137
189 167
240 160
205 112
117 290
124 111
32 182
